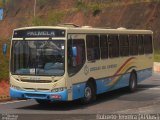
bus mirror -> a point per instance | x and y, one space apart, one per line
74 51
4 49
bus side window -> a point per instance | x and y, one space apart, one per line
133 45
104 46
75 63
124 45
113 44
148 44
93 52
140 45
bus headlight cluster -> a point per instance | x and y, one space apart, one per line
16 87
58 89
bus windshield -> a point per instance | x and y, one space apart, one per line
37 57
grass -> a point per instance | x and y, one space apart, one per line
94 7
4 68
38 21
41 2
53 18
4 62
3 3
157 56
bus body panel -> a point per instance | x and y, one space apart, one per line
62 96
114 77
109 74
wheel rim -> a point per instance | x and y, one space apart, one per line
133 82
88 93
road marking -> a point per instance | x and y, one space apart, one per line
156 88
156 79
4 103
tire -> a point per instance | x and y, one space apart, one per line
132 82
89 93
43 102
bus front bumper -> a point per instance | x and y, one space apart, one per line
21 94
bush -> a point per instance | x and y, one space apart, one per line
3 3
4 62
37 21
55 17
157 55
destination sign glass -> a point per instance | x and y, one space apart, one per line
32 33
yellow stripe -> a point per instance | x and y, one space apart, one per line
126 67
121 72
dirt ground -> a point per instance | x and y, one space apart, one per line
4 90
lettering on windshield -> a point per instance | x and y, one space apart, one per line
40 33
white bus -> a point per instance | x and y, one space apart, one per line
67 63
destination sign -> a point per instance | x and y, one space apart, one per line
32 33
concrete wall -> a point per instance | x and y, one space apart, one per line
156 67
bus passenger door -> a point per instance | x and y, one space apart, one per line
76 60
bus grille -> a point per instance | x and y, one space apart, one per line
37 89
37 81
30 95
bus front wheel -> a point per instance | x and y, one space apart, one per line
132 82
89 93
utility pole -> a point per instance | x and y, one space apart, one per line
35 2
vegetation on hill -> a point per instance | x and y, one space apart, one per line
132 14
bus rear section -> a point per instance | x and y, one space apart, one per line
114 59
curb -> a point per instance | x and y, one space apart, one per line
156 66
4 97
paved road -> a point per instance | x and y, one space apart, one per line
145 100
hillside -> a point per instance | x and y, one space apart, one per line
131 14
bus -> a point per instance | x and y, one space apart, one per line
68 62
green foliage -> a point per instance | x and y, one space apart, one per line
38 21
94 7
156 55
3 3
4 68
55 17
41 2
82 6
4 62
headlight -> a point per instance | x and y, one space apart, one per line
16 87
58 89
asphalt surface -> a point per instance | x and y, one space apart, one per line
146 100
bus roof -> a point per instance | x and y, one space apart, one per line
88 29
